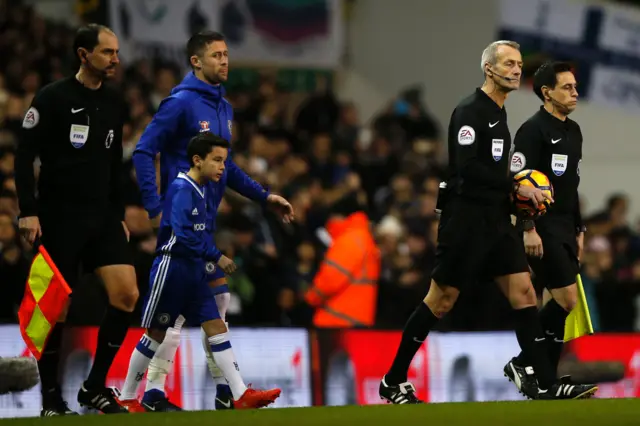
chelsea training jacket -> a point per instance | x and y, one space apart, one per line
193 106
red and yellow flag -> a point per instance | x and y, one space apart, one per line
45 298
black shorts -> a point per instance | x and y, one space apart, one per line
559 265
79 243
475 244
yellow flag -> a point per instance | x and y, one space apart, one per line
578 322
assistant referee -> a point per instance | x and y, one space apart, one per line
551 143
75 127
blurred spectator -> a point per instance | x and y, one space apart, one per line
344 291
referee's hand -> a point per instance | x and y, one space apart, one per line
533 243
535 194
30 228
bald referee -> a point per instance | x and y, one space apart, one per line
75 127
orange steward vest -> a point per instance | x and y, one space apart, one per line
345 289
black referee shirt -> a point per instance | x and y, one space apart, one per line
77 133
480 150
553 147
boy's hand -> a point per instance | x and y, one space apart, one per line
227 265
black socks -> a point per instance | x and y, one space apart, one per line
553 317
533 344
112 332
50 362
415 332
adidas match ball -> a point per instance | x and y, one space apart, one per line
536 179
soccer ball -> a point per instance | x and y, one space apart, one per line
525 206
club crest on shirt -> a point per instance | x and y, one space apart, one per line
230 125
204 126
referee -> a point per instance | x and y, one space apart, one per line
75 127
552 143
476 240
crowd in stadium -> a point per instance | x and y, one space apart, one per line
313 150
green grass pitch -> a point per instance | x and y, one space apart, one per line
601 412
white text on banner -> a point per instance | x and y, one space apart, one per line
559 19
266 357
467 367
621 30
615 87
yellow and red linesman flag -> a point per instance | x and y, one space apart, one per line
45 298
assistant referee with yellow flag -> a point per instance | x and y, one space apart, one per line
551 143
75 127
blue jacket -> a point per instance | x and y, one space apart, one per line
193 106
183 228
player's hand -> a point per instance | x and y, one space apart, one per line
227 265
532 243
580 241
30 228
535 194
282 206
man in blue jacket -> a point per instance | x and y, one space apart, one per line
196 105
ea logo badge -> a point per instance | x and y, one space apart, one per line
466 135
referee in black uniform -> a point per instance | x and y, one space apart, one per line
75 127
476 239
551 143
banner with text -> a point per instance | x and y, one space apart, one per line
602 41
274 32
466 367
266 357
622 348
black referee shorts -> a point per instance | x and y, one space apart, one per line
559 265
81 244
476 243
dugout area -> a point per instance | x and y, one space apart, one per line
601 412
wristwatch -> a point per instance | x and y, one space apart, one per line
528 225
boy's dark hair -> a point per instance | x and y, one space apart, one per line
199 42
547 75
87 37
202 144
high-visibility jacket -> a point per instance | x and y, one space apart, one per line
345 289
